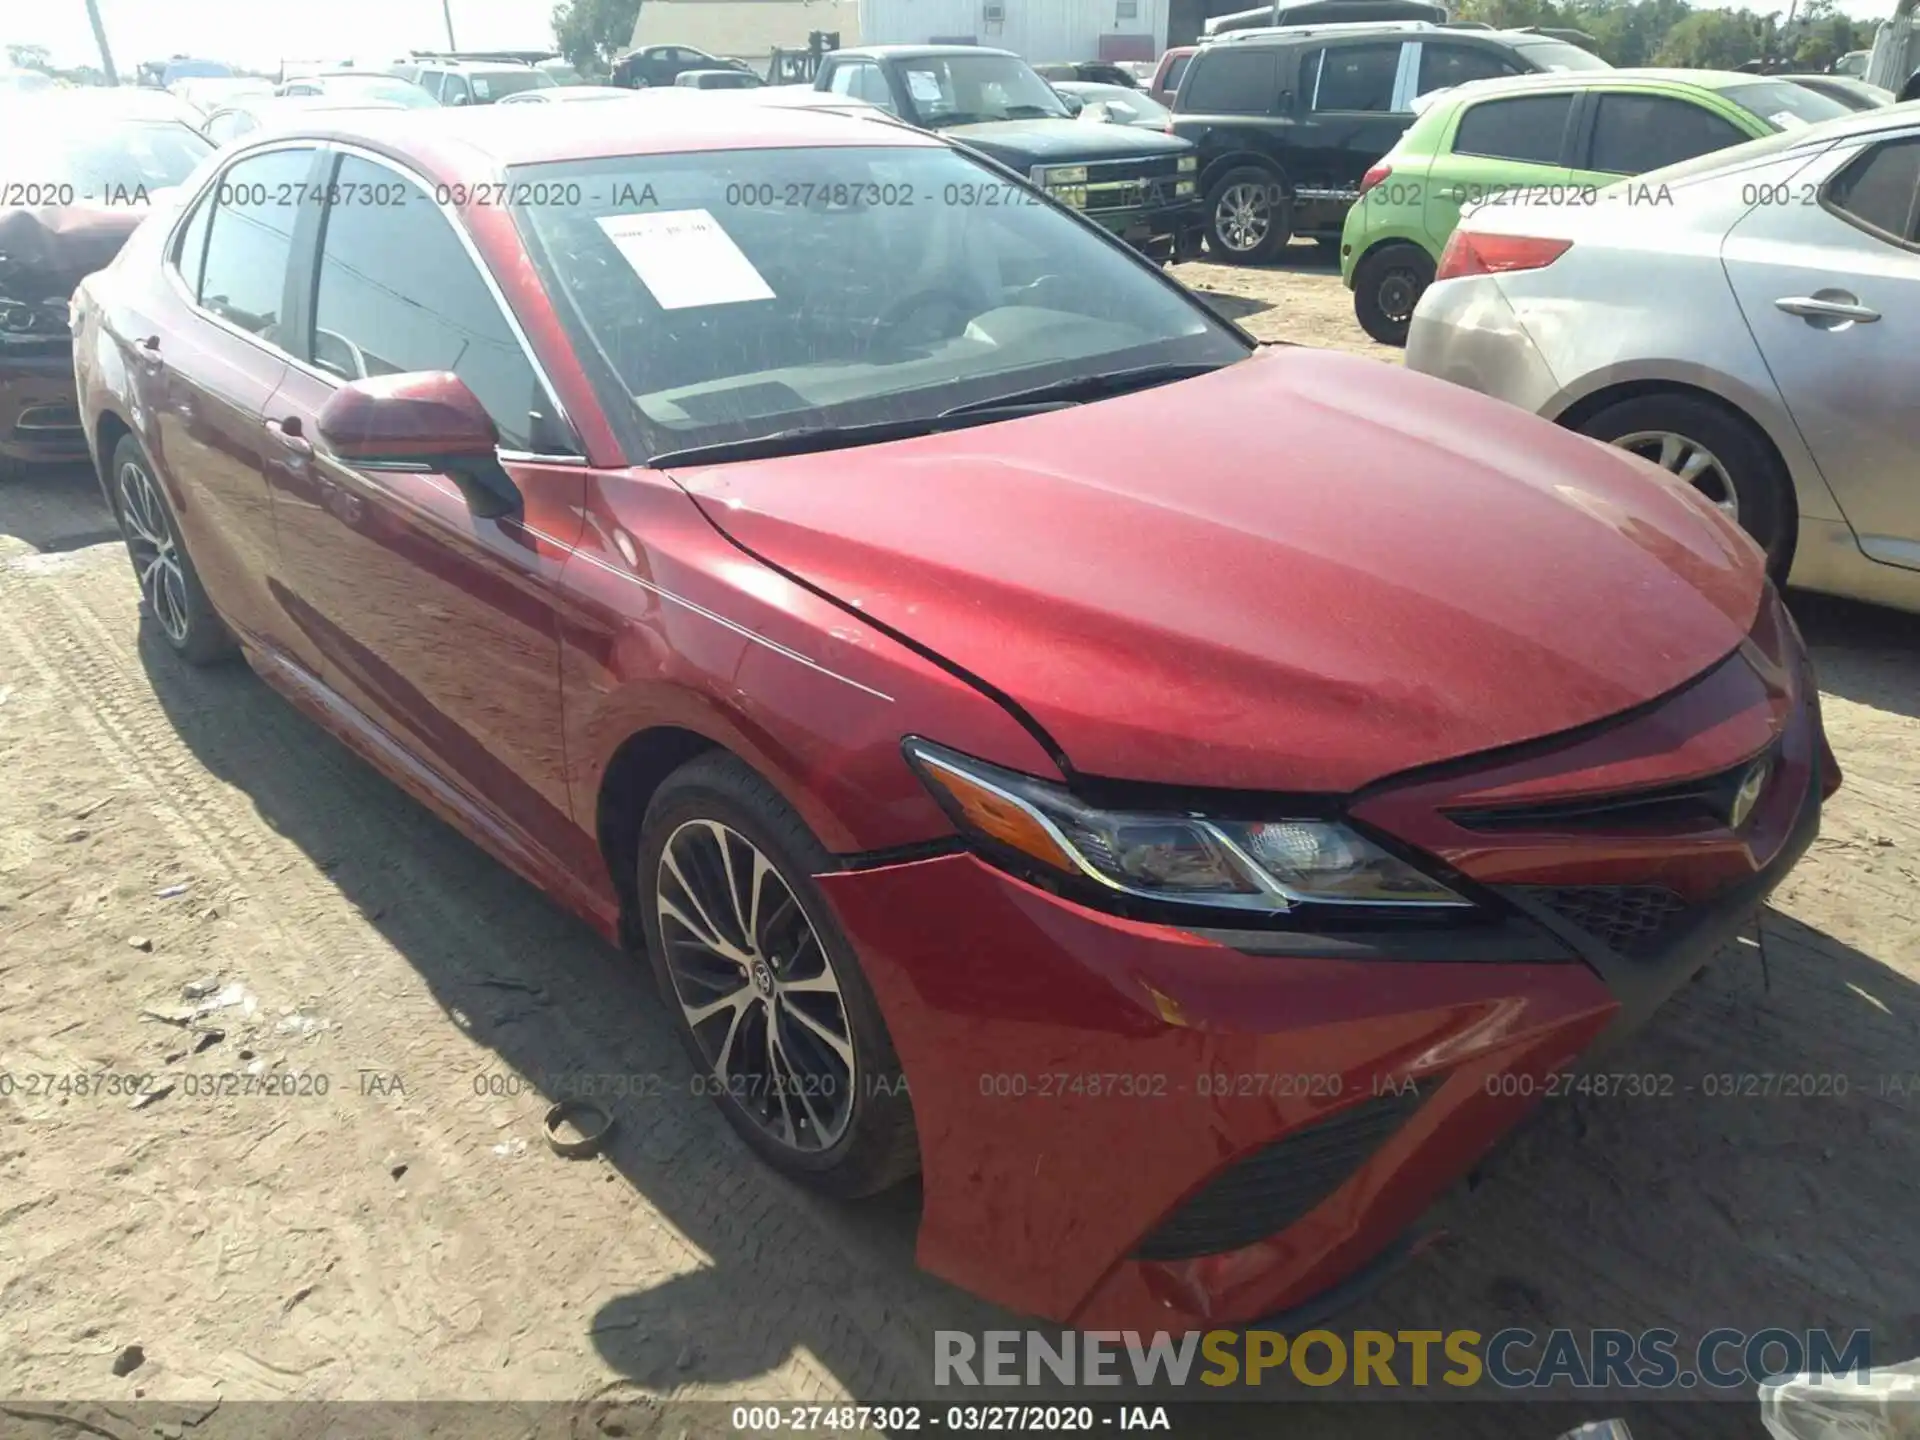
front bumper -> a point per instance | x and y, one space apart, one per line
39 410
1154 229
1126 1125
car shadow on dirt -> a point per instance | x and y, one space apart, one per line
1866 653
55 507
1755 1177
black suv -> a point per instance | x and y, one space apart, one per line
1138 184
1287 121
664 65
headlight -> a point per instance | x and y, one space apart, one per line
1060 175
1189 164
1183 187
1269 865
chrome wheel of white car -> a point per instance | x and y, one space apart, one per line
1691 461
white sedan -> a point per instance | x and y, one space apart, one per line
1749 321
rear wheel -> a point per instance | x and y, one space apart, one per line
1387 284
1717 453
768 996
170 587
1248 216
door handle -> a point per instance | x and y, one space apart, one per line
287 433
1827 306
148 353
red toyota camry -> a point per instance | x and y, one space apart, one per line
1182 797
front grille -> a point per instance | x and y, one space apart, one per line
1632 919
1685 808
1270 1189
1134 184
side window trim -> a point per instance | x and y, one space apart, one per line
289 286
337 150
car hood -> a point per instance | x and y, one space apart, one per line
1063 142
53 249
1300 573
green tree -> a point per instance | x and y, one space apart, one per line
592 33
30 57
1711 40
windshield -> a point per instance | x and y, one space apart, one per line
738 294
104 166
1784 105
378 87
1557 55
494 83
970 89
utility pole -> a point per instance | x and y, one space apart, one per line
446 11
100 39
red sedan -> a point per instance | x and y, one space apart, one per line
1182 797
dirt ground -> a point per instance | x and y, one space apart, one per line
369 1212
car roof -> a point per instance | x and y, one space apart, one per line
918 52
1597 79
471 141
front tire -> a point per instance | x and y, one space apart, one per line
1249 217
765 989
170 588
1387 284
1718 453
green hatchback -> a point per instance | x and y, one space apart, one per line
1556 139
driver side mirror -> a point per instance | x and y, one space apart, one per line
1073 103
422 424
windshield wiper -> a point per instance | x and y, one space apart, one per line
1058 395
1078 388
804 439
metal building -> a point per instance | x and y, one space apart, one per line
1037 30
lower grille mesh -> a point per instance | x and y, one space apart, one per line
1270 1189
1632 919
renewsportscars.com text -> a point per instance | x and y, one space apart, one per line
1726 1360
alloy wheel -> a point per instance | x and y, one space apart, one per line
756 986
156 556
1243 217
1691 461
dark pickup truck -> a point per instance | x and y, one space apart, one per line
1135 183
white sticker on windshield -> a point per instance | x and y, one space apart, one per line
685 258
1787 120
923 86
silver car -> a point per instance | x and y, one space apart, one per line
1749 320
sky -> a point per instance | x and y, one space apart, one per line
261 33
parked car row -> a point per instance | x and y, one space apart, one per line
1746 320
1000 768
1554 137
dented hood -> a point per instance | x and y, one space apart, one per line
55 248
1300 573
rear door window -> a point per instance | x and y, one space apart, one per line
1234 82
250 242
1633 134
1356 78
1879 189
1528 128
1444 66
1175 69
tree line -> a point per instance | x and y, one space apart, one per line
1672 32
